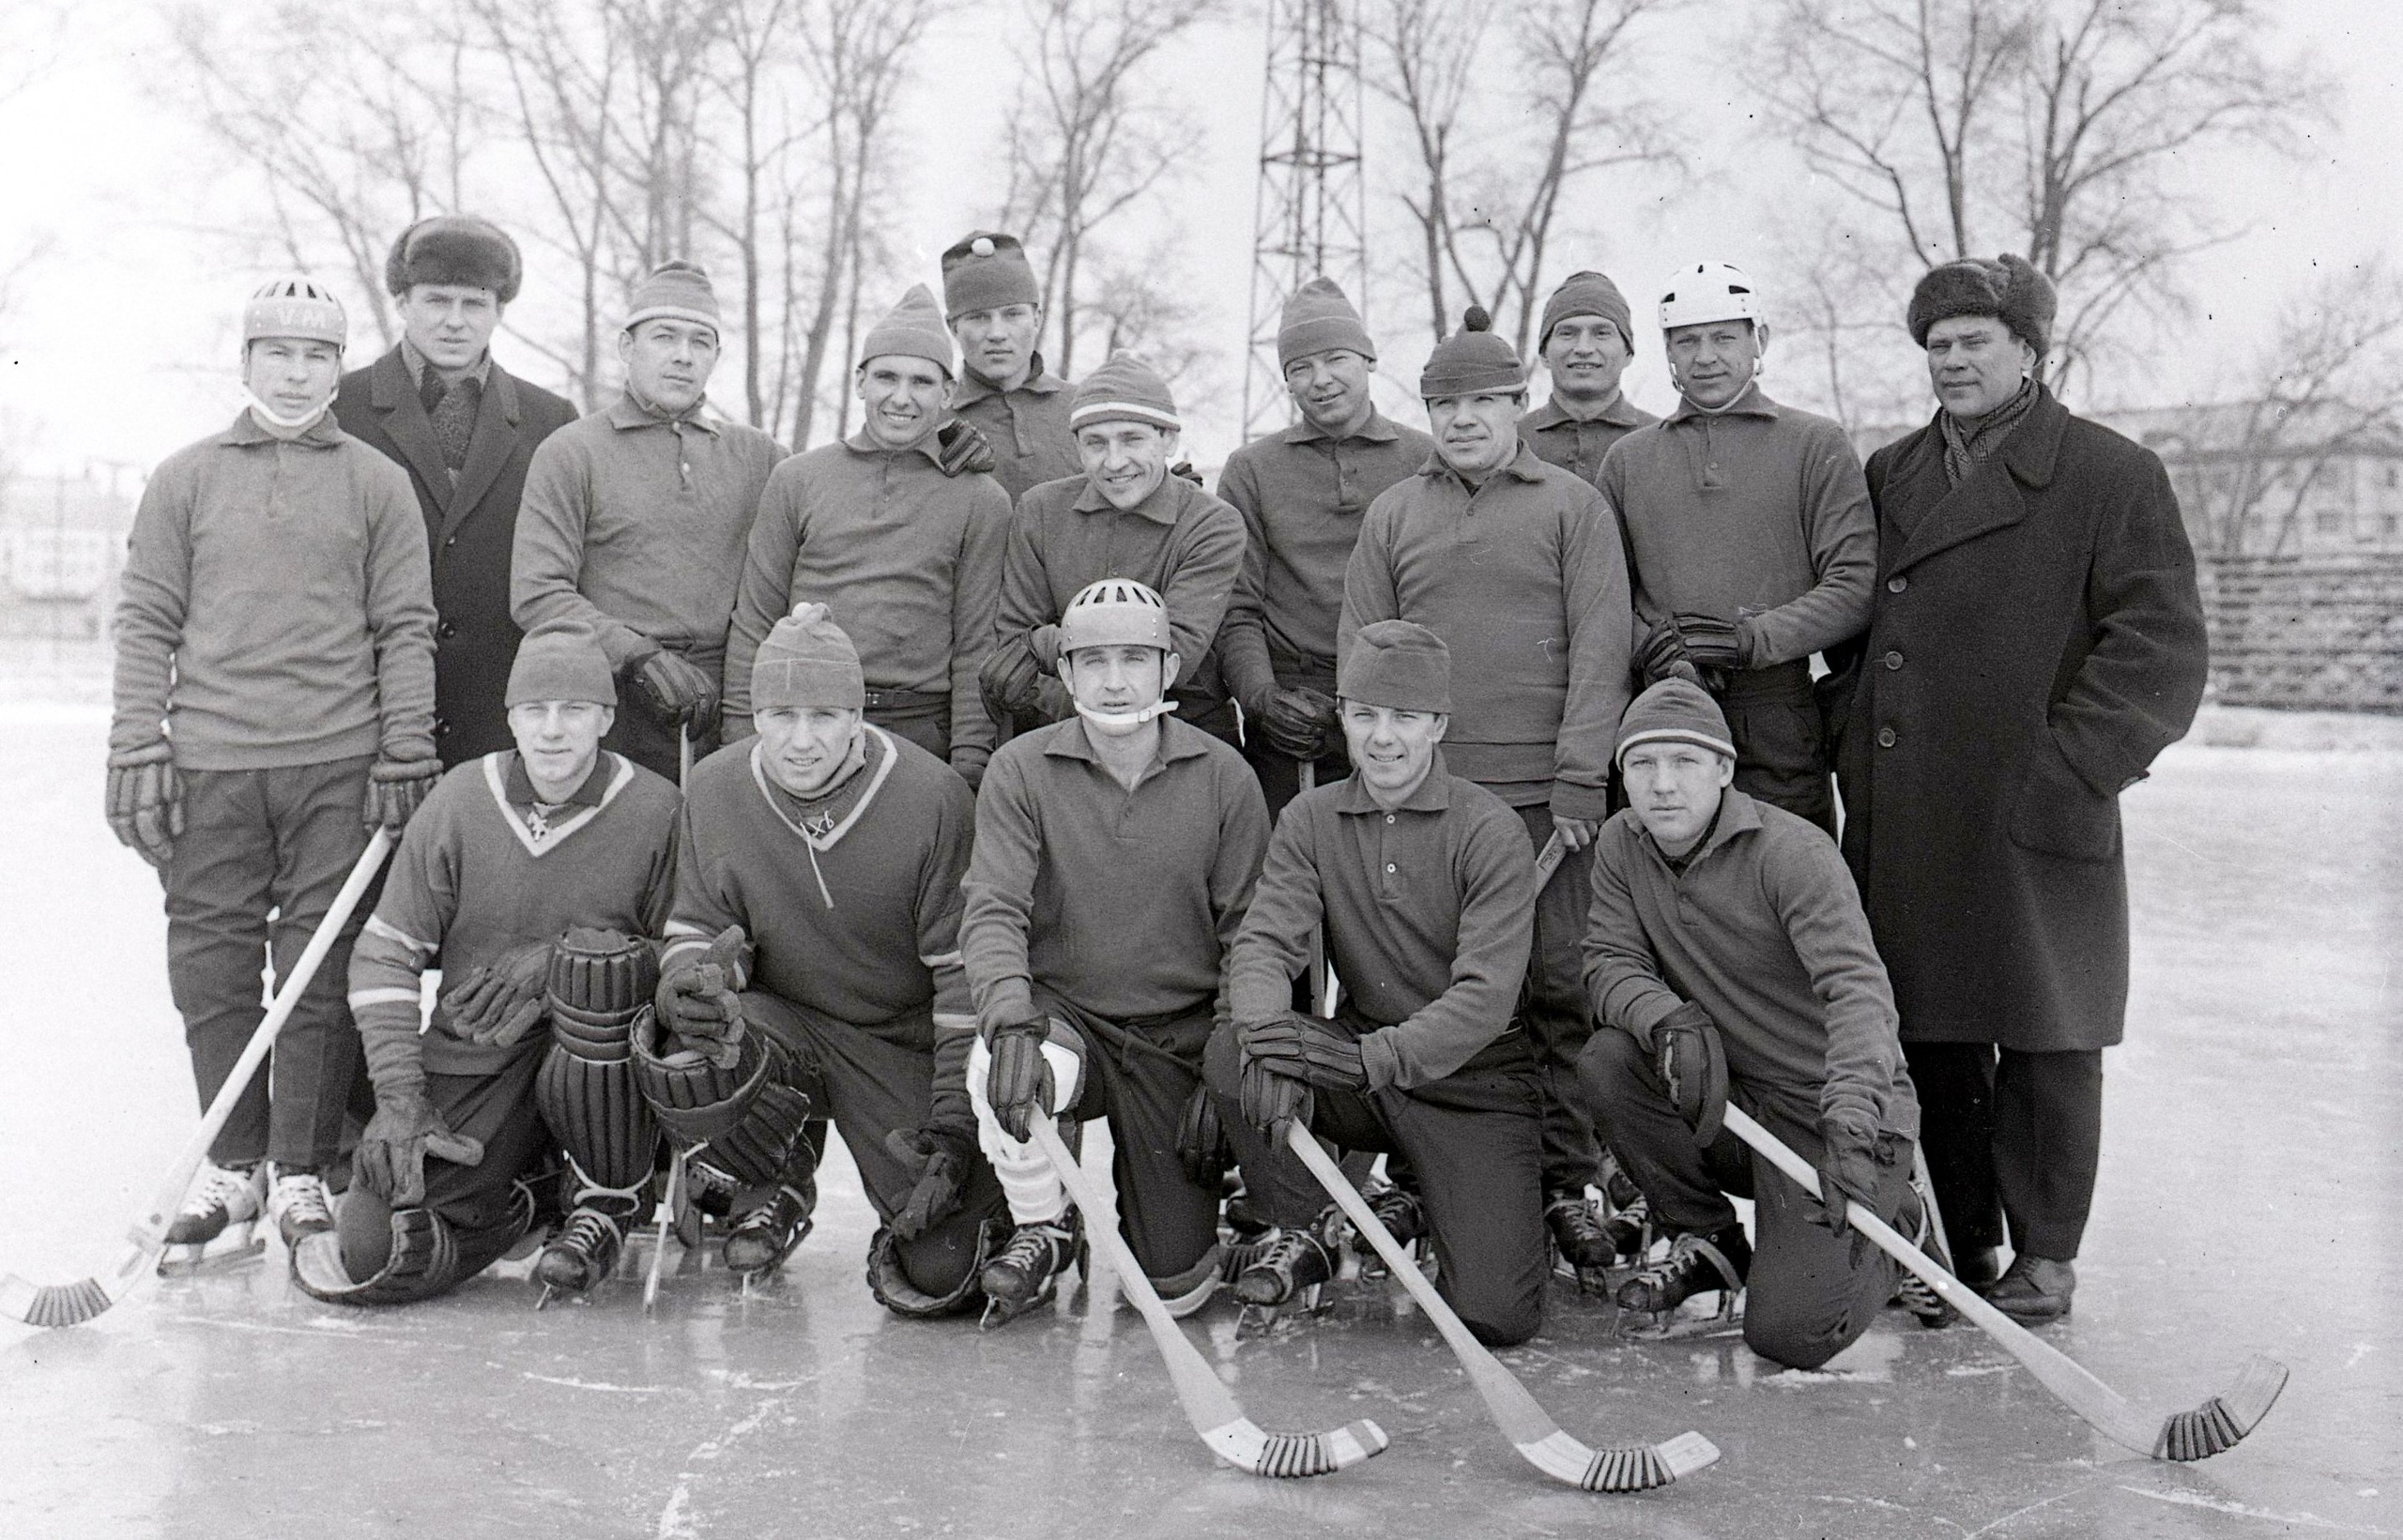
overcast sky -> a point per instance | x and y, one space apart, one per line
120 348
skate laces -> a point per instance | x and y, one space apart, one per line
1287 1247
1037 1248
590 1231
301 1195
220 1187
1689 1254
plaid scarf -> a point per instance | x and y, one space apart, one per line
451 407
1969 440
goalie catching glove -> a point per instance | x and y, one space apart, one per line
699 997
146 802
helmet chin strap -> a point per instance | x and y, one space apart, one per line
288 424
1126 718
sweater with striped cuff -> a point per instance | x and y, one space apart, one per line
478 874
852 900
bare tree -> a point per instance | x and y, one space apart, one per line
1429 51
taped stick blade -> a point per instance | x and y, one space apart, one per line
52 1305
2221 1423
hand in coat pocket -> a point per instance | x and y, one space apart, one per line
2057 813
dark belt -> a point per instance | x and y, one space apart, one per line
1788 682
906 700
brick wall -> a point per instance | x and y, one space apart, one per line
2318 633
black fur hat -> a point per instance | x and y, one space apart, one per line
455 248
2008 289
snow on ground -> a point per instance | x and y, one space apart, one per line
2252 1183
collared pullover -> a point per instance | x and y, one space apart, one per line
1764 930
277 606
1758 510
473 880
1524 578
636 525
1428 910
1577 445
1301 495
907 559
1027 427
1180 541
1123 903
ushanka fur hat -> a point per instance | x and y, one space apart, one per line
2006 289
455 248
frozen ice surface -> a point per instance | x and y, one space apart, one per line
2252 1164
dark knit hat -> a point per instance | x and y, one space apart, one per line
1676 711
561 661
455 248
807 661
1587 292
1472 361
674 291
1399 664
986 271
1317 319
1124 388
913 329
2008 289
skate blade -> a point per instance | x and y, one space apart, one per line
1258 1321
233 1245
1676 1324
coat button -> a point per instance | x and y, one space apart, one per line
441 728
1885 738
1897 583
1893 660
449 542
446 631
1388 868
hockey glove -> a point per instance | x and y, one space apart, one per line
1307 1048
1020 1084
146 802
496 1003
1693 1066
1201 1142
395 787
938 1161
699 999
675 688
1849 1165
1011 679
1710 642
390 1157
962 450
1662 655
1268 1096
1182 470
1299 722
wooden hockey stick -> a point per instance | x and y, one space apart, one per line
683 756
1209 1406
1307 771
71 1304
667 1217
1548 860
2208 1429
1522 1419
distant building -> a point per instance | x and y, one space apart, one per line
61 544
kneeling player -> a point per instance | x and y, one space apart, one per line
510 854
1115 852
1727 948
1427 891
838 847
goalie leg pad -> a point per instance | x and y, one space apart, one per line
889 1281
600 982
423 1261
598 1113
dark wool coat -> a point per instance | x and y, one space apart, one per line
471 528
2036 641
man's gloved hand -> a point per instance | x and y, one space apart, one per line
146 802
1710 642
1201 1141
1012 679
938 1159
1184 471
675 688
1044 642
1849 1164
496 1003
1299 722
390 1157
961 449
1693 1067
1662 655
395 789
1308 1049
1020 1085
699 999
1269 1096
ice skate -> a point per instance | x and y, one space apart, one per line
1581 1239
1696 1264
1404 1218
218 1220
298 1205
1290 1272
584 1251
764 1236
1910 1291
1025 1274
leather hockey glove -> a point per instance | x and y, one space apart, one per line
1020 1084
962 450
390 1157
395 789
1182 470
1202 1142
1849 1164
146 802
1268 1096
699 999
1306 1048
675 688
1012 679
1299 722
1710 642
1662 655
1693 1066
496 1003
938 1161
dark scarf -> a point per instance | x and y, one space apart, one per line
451 406
1968 440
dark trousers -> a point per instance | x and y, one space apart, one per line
1281 775
651 743
1473 1144
1557 1016
873 1082
2011 1136
922 718
476 1200
253 841
1140 1075
1811 1293
1780 742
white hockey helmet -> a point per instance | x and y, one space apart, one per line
1115 612
1709 291
295 306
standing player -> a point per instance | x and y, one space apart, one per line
274 703
838 847
511 853
1586 342
1518 566
995 310
1115 853
636 519
1425 887
1751 540
907 555
1302 494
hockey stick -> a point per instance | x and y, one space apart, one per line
2205 1431
1548 860
684 756
1209 1406
666 1217
71 1304
1520 1418
1307 771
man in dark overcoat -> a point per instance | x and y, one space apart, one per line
464 428
2037 640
